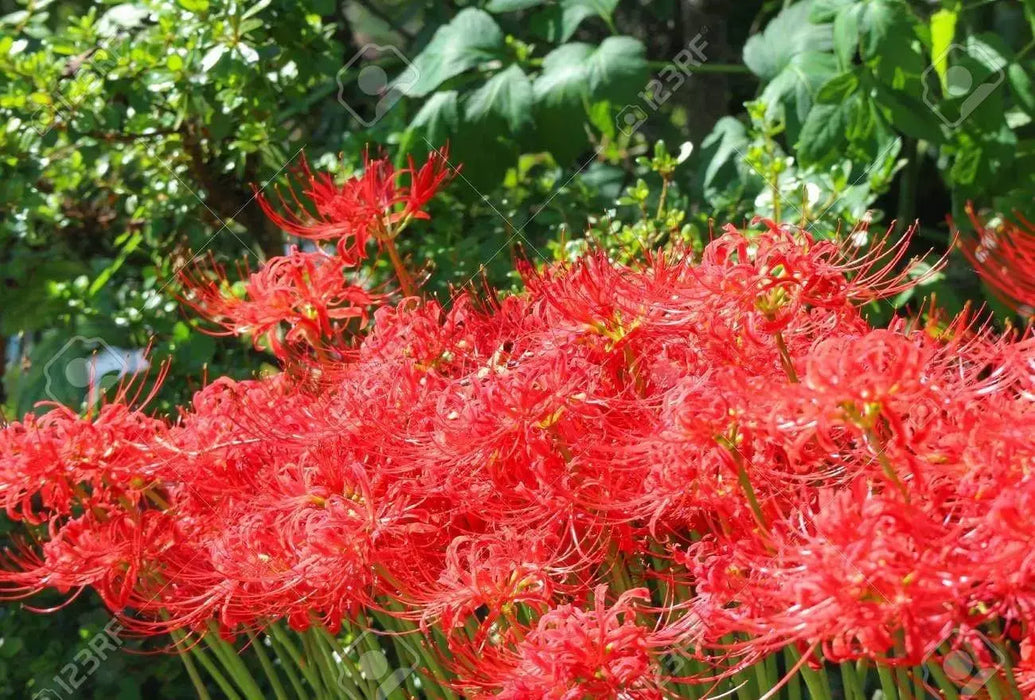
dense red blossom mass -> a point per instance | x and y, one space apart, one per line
704 457
1003 253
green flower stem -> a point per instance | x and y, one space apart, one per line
288 664
944 684
327 646
323 664
188 662
225 685
267 667
432 667
233 664
278 635
887 682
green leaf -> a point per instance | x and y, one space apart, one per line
838 88
507 95
789 34
123 16
618 68
575 72
909 115
256 8
846 35
722 149
602 117
943 31
989 51
439 118
966 164
1022 87
470 39
883 21
512 5
794 89
824 130
195 6
212 56
557 23
563 80
825 10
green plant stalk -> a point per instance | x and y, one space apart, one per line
188 662
432 667
328 646
325 668
850 681
815 681
944 684
228 656
762 679
288 664
794 684
267 667
279 636
225 685
901 674
887 682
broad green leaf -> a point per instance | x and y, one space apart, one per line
824 130
615 70
557 23
883 21
575 76
122 16
512 5
470 39
794 89
846 35
618 68
507 95
256 8
438 119
909 115
838 88
825 10
789 34
990 51
722 150
966 164
563 80
212 56
943 31
601 115
195 6
1022 87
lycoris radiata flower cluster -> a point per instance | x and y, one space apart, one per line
627 481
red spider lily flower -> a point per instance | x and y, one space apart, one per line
300 298
573 653
364 206
729 441
1003 253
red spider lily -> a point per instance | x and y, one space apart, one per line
573 653
1003 254
562 491
363 207
300 298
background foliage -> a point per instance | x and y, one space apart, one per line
134 133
